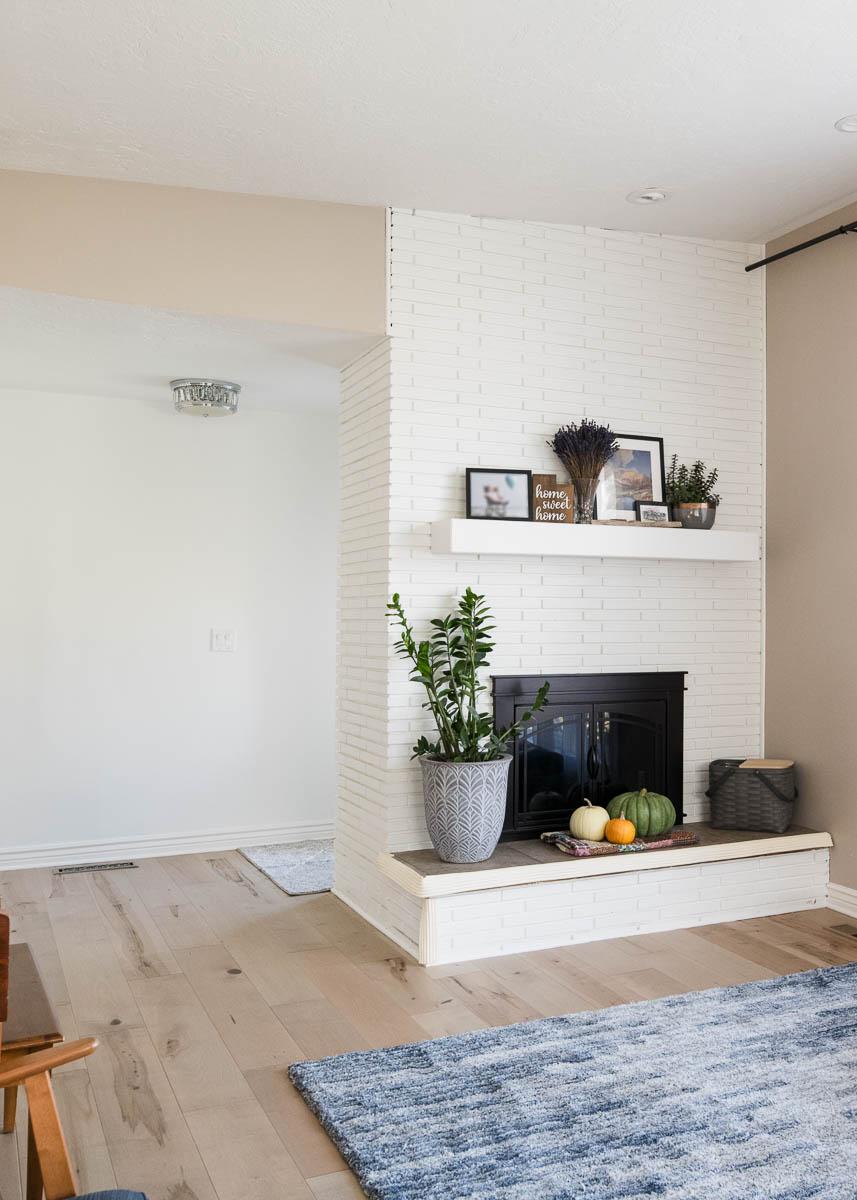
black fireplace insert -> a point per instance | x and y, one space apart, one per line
597 736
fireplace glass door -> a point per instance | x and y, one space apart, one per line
550 765
630 737
597 736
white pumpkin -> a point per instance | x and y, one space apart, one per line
589 822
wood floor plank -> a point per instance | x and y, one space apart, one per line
260 932
716 966
26 887
276 971
244 1156
405 982
451 1019
380 1020
83 1132
649 984
162 1175
133 1095
139 943
97 986
339 1186
486 995
814 945
297 1128
542 990
156 885
732 937
201 1071
247 1026
349 933
183 926
150 1145
592 985
321 1038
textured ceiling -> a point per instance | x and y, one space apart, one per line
92 347
548 109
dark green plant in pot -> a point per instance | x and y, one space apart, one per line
448 666
465 770
690 491
691 485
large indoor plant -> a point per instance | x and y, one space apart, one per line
690 491
465 770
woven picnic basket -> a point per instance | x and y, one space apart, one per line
752 794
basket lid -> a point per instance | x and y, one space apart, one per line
767 764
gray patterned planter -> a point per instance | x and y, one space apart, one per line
465 805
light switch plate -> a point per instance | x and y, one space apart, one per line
222 641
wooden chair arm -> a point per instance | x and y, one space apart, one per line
45 1060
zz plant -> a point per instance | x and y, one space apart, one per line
448 666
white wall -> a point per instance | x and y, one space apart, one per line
500 331
128 532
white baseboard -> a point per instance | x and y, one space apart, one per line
842 899
67 854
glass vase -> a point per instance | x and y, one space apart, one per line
584 500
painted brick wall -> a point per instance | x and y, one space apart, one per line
363 658
499 332
538 915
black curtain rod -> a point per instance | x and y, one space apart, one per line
832 233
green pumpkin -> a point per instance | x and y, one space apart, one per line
650 812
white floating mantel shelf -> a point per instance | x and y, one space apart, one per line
592 541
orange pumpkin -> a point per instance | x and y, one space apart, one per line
620 831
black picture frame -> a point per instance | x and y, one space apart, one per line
639 505
526 477
658 476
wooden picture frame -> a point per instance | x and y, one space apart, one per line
498 494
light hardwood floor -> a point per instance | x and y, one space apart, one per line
202 981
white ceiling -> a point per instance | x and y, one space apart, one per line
93 347
548 109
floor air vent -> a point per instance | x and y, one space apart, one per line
81 867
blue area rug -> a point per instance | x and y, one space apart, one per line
741 1093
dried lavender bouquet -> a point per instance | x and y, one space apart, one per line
583 450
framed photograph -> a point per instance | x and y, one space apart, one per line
635 472
499 495
653 512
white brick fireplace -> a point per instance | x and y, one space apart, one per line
499 332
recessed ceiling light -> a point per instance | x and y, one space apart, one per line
847 124
646 196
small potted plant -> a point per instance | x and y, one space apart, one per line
465 771
583 450
690 492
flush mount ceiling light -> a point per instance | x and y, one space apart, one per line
847 124
647 196
205 397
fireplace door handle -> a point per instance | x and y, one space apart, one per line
592 763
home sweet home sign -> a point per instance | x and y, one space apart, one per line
552 501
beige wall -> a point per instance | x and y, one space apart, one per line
812 529
296 261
